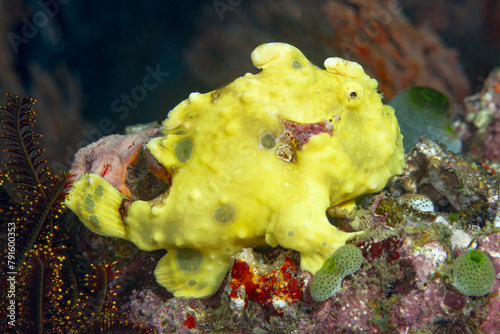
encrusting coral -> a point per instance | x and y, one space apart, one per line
256 162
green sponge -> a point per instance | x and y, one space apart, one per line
425 111
473 273
345 261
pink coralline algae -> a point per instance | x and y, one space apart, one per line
349 311
173 316
419 309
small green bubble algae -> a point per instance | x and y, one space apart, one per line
329 265
476 256
453 217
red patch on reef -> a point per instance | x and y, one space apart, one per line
300 133
190 322
263 289
488 168
496 87
374 249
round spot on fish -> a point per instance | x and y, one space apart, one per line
224 213
99 190
183 149
94 220
296 64
291 233
192 282
89 202
267 141
189 259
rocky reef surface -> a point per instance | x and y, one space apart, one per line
442 205
404 285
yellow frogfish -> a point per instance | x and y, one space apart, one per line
256 162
